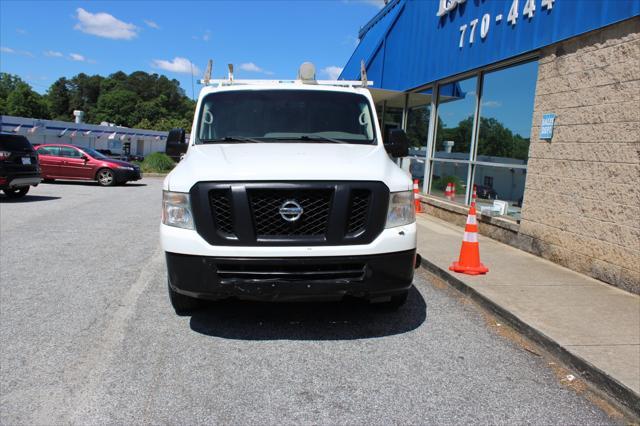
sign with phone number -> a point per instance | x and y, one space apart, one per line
528 11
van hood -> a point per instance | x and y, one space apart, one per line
286 162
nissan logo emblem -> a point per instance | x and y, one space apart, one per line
291 211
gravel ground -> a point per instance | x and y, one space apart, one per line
87 336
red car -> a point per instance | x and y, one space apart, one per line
59 161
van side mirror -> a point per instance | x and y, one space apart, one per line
176 144
397 144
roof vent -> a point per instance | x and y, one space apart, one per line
79 115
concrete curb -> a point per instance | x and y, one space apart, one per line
154 174
602 380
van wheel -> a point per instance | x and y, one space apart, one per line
183 305
105 177
16 192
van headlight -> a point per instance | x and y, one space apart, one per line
176 210
401 209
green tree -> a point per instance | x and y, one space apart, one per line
58 100
8 83
139 99
24 102
496 140
117 106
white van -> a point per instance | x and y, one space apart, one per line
287 192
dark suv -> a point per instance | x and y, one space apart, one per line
19 166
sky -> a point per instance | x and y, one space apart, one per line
43 40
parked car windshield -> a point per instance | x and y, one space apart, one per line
95 154
285 116
14 142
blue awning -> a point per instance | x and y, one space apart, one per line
370 44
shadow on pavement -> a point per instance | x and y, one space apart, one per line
347 320
27 199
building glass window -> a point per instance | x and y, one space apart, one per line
392 119
449 180
505 114
418 117
454 130
496 166
504 184
504 130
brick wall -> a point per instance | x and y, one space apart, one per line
582 198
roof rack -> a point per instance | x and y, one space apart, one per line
237 82
306 75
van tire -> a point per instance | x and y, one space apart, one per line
183 305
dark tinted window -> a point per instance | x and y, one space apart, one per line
66 151
49 150
286 114
14 142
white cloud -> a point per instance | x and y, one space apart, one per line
331 72
492 104
5 49
179 65
251 67
53 54
80 58
104 25
152 24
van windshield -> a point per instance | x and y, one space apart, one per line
285 116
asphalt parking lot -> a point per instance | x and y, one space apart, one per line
87 336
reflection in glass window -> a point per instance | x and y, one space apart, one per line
506 109
418 116
392 115
456 107
449 180
379 111
499 183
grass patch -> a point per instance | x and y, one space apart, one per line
157 162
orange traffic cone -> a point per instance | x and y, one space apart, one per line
416 191
453 191
474 196
469 261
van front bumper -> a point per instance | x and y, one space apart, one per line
291 278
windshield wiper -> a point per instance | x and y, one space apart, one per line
231 139
309 138
320 137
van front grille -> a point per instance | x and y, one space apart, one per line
221 208
289 213
266 204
